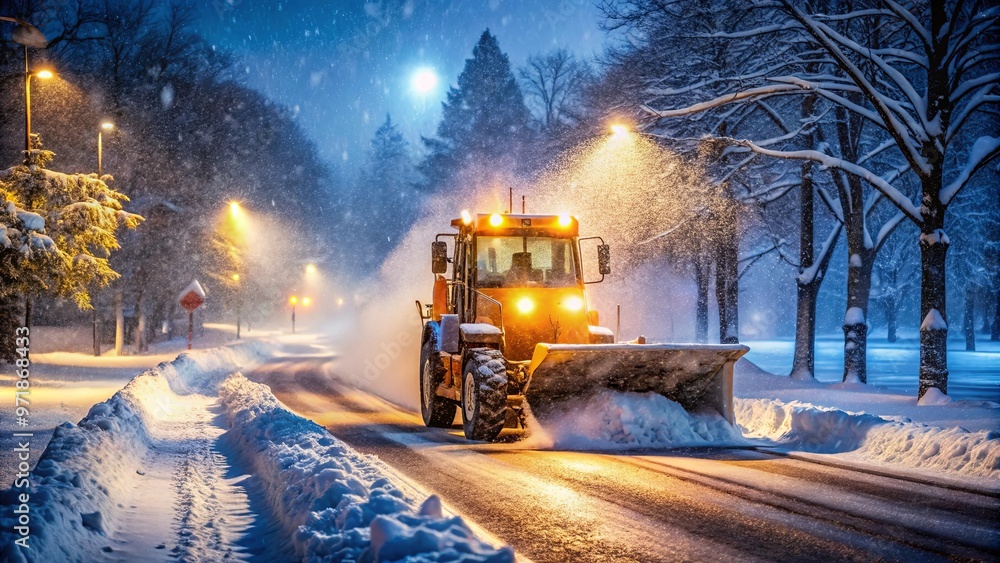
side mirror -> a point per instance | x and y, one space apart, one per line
604 259
439 257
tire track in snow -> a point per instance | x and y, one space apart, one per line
192 502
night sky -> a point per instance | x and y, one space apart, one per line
340 66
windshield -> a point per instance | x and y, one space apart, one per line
525 262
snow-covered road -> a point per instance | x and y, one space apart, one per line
700 504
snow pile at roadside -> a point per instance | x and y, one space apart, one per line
622 420
339 504
869 438
74 487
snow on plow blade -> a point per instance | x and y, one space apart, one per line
695 375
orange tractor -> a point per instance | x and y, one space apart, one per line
511 327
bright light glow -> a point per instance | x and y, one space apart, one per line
424 80
44 74
565 220
107 126
340 301
619 129
496 219
236 277
310 269
306 301
466 216
574 303
293 300
234 209
525 305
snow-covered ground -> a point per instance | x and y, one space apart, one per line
191 461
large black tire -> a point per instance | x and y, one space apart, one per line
437 412
484 394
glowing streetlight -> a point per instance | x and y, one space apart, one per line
310 269
293 300
235 209
306 301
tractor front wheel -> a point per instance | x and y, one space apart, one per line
437 412
484 394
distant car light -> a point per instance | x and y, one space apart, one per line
525 305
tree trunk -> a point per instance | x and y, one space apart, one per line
933 312
804 361
727 277
859 284
995 329
702 277
933 240
859 279
140 329
890 309
969 324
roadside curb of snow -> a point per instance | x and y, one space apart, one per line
972 457
334 502
75 486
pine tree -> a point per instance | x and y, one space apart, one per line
64 228
485 123
386 190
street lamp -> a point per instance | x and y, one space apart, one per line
28 35
293 300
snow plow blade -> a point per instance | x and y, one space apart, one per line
697 376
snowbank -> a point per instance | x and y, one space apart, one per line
75 486
331 501
866 424
620 420
338 504
869 438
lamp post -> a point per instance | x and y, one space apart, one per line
239 303
293 300
106 126
29 36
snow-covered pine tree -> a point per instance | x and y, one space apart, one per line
485 125
80 216
386 190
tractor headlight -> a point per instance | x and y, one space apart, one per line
525 305
573 303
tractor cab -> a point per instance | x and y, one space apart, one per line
522 274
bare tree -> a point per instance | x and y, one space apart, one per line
925 89
553 83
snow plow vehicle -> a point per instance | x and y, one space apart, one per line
511 330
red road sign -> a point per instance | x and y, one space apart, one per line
191 301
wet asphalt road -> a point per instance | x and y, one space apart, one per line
676 505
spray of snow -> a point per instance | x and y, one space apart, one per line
611 420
